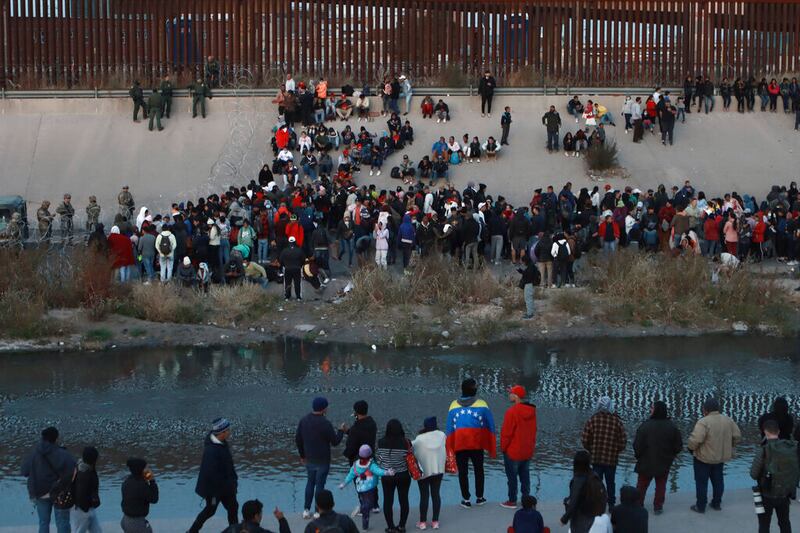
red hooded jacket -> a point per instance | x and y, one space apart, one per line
518 434
121 250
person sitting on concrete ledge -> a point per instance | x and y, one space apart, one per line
442 111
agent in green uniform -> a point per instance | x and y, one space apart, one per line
155 104
137 96
200 91
166 96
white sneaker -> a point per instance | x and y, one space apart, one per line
316 515
438 120
379 173
445 120
576 121
483 115
553 286
371 172
566 154
306 514
479 160
489 115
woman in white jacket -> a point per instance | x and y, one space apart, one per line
429 449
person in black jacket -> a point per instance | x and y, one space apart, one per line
529 281
86 493
329 520
667 122
575 513
314 437
252 514
486 89
292 260
139 491
49 469
629 516
217 481
658 441
363 431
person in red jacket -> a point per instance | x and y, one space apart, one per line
294 229
121 252
711 233
609 234
518 443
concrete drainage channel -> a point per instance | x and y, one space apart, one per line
418 91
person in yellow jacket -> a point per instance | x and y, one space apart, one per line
603 116
712 443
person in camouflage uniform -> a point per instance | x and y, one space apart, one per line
45 220
92 214
126 203
66 213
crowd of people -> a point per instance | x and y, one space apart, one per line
69 490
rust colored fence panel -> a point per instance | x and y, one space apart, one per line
109 43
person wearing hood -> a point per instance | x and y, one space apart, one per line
98 242
658 441
366 473
143 212
430 451
121 251
139 492
518 444
166 243
408 237
187 275
217 481
87 493
470 433
49 470
629 516
604 438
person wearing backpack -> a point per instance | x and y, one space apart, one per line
165 246
366 474
329 521
604 437
587 495
777 471
49 469
712 442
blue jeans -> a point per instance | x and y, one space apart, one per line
709 103
764 101
124 274
317 475
148 267
319 116
514 470
702 473
681 115
529 307
552 140
44 506
607 473
310 172
263 250
224 251
609 246
346 244
408 97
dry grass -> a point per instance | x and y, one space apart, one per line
164 303
433 281
602 156
658 288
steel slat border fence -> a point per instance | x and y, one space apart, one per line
109 43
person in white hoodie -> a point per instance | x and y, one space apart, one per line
381 245
429 449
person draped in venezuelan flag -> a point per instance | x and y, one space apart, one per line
470 432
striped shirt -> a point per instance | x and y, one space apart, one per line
393 458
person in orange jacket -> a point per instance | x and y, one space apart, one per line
294 229
518 444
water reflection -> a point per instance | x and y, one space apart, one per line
157 403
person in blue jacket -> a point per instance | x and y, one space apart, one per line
217 481
408 239
528 519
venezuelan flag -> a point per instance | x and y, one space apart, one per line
471 427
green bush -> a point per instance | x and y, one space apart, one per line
602 156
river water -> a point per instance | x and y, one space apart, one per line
157 404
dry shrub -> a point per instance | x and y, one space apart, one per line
22 315
602 156
571 302
233 303
433 281
165 303
663 289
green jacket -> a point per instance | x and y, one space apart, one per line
788 476
166 89
200 90
155 101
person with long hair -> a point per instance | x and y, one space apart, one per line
429 449
391 455
575 509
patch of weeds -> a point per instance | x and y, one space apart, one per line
99 335
137 332
570 302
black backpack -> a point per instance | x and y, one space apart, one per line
395 173
562 254
595 497
165 245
